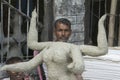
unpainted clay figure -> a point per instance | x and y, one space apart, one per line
63 60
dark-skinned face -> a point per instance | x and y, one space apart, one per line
62 32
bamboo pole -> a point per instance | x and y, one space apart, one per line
112 22
1 34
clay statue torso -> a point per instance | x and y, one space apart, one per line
59 54
57 63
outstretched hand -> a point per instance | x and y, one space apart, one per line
34 13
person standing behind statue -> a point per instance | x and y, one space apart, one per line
62 32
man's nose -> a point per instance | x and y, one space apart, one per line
63 32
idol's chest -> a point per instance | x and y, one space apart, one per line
55 55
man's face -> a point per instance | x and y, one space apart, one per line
62 32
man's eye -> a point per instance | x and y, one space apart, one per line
59 30
66 30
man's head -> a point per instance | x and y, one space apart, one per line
15 75
62 29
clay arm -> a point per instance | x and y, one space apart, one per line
77 66
102 47
32 38
24 66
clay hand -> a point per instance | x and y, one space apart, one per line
76 67
34 13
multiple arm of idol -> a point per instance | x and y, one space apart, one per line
74 51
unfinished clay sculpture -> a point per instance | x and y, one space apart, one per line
63 60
